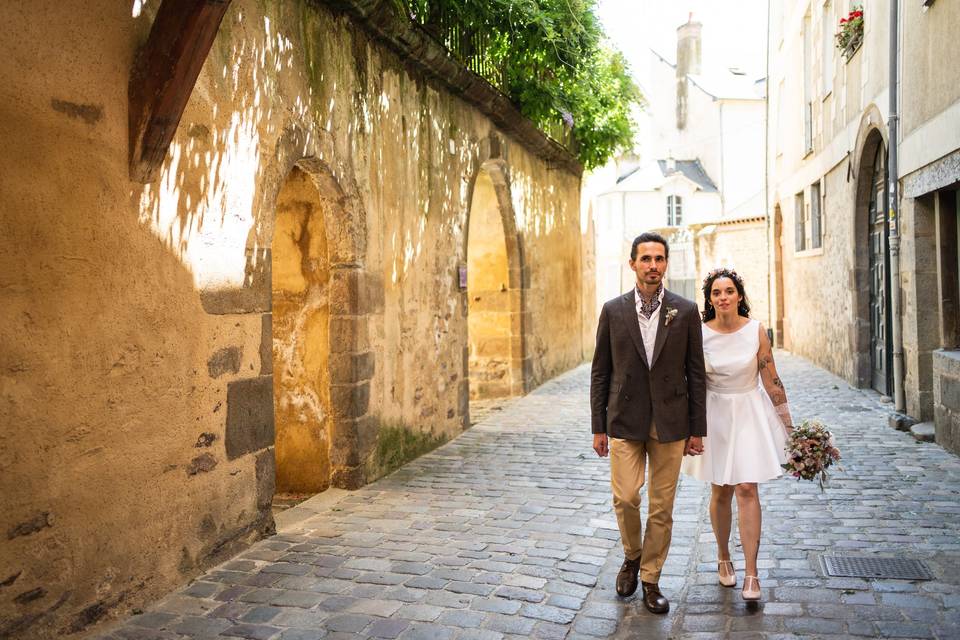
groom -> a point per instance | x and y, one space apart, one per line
647 405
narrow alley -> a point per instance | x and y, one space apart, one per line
507 531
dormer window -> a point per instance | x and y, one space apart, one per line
674 211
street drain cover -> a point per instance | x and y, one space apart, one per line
874 567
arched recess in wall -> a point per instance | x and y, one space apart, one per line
497 363
322 364
874 347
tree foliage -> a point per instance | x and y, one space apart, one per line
550 58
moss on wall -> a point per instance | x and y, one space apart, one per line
398 444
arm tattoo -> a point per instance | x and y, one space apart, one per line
778 383
764 361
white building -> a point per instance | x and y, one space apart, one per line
699 173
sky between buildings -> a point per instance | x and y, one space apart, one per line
734 31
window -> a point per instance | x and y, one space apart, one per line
807 86
816 236
826 58
800 228
674 211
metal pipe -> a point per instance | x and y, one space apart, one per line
893 218
771 262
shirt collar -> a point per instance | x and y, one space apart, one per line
638 297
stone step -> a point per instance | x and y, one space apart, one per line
923 431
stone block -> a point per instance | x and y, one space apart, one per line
349 400
354 292
349 478
226 360
923 431
950 393
250 424
901 422
348 368
266 344
266 475
348 334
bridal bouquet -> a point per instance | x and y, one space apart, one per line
810 451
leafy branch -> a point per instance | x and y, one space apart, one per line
550 58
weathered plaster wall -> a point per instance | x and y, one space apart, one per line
930 84
301 338
136 378
742 246
488 296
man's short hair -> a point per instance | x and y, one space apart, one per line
649 236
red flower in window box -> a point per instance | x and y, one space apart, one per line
850 34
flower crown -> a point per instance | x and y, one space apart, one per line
725 272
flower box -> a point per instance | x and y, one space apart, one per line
850 33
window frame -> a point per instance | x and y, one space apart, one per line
674 210
816 215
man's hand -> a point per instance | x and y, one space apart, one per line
601 444
694 446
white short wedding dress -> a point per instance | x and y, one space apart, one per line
745 439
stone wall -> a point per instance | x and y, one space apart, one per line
138 353
743 246
819 285
946 398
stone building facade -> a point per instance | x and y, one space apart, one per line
829 191
338 249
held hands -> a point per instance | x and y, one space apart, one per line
694 446
601 445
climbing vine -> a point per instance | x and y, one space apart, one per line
550 57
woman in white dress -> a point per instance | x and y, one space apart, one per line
748 420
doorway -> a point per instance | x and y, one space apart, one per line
881 339
301 342
495 358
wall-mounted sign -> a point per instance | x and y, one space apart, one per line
462 277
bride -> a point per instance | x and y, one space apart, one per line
747 421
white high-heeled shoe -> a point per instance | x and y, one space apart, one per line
751 594
729 580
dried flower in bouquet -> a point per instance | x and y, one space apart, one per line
810 451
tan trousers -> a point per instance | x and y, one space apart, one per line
628 461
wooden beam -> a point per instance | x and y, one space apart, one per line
163 76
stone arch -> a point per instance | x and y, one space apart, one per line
871 139
337 303
496 361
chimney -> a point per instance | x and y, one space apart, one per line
688 61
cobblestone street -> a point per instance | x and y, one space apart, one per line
508 531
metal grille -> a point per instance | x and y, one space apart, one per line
874 567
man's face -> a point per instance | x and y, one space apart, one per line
650 264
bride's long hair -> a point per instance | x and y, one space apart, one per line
709 313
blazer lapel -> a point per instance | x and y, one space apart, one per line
629 311
662 326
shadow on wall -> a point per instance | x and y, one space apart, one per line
258 210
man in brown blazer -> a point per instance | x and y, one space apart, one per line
647 405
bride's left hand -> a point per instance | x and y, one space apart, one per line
694 446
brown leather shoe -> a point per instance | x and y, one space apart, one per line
653 600
627 578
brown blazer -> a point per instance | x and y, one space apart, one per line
627 393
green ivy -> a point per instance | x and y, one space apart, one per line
550 57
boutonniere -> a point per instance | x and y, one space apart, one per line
671 314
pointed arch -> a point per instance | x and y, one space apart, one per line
496 361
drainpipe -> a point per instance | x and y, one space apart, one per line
893 211
766 183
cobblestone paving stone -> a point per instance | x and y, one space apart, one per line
507 532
